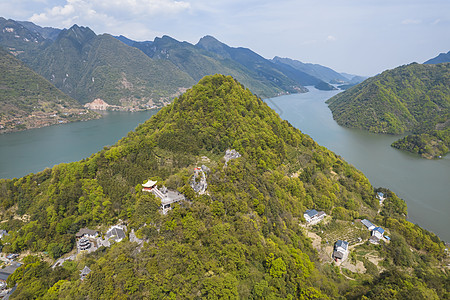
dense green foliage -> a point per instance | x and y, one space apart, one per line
27 100
241 240
414 98
428 145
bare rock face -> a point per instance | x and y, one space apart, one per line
97 104
231 154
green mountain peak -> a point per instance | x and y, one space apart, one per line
243 238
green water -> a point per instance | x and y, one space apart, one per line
424 184
33 150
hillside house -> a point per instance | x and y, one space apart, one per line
340 250
313 216
88 233
84 272
380 197
167 197
368 224
116 232
378 232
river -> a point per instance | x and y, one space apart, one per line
424 184
34 150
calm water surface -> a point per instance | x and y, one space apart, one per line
33 150
424 184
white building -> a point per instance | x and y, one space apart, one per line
378 232
340 250
368 224
167 197
313 216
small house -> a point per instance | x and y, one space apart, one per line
313 216
117 233
378 232
84 272
340 250
368 224
88 233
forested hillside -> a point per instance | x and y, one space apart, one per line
242 239
413 98
30 101
87 66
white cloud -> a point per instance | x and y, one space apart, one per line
411 22
107 13
435 22
331 38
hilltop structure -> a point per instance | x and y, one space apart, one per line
167 197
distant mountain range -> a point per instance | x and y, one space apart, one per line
88 66
441 58
30 101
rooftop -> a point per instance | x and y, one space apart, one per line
86 231
116 232
311 212
341 243
379 229
367 223
149 183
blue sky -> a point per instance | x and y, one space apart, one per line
363 37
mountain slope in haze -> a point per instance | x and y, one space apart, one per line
29 101
87 66
198 63
413 98
323 73
20 41
441 58
46 32
265 70
240 240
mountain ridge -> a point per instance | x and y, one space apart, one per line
441 58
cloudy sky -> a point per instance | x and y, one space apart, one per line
361 37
